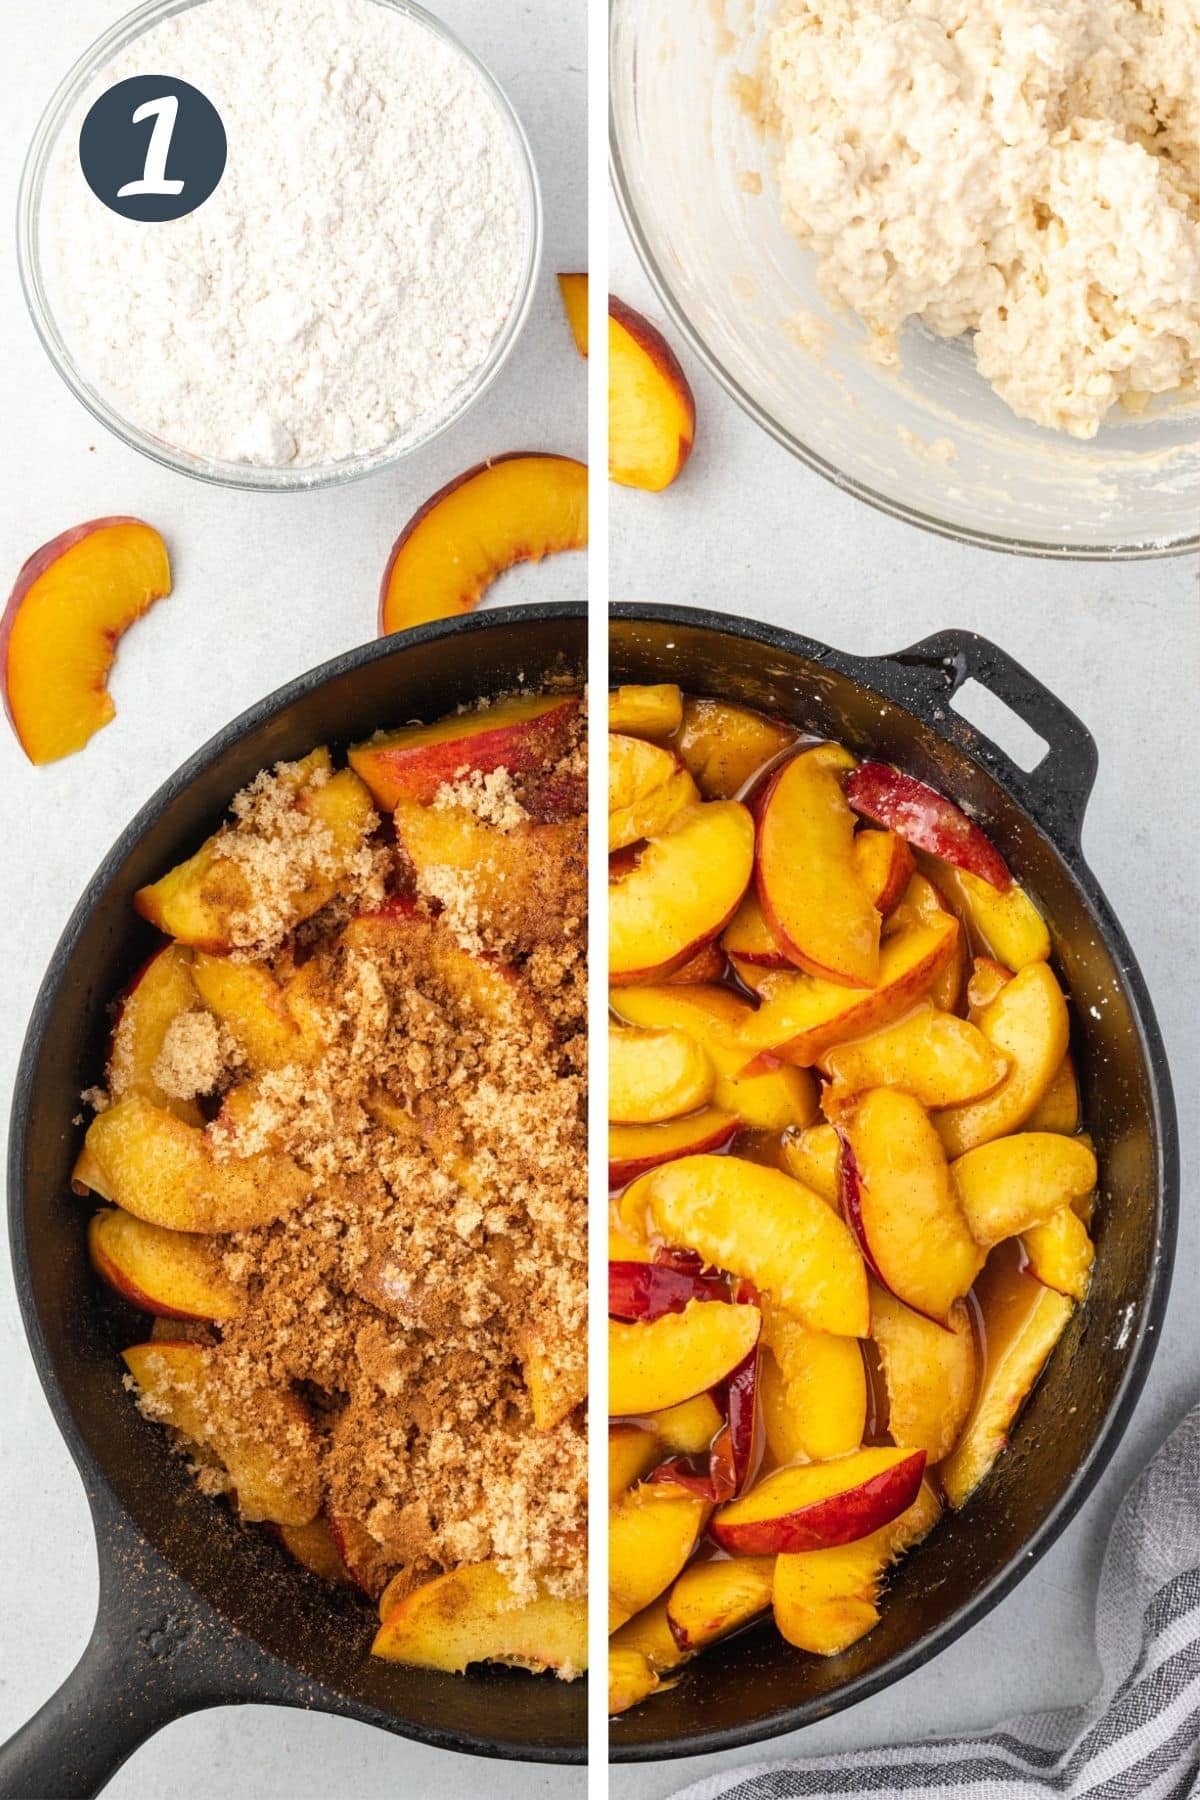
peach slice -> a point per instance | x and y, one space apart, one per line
760 1224
574 292
522 733
689 1428
771 1101
1022 1322
556 1378
1005 920
475 1614
655 1075
70 604
173 1274
1060 1253
712 1599
900 1200
724 746
651 412
165 1172
825 1600
686 886
652 1532
161 990
632 1453
510 509
749 936
362 1553
517 876
633 1149
815 1506
940 1060
1012 1183
652 710
1028 1023
647 788
1059 1108
651 1366
247 998
930 1373
264 1439
801 1016
927 819
885 866
649 1636
313 1547
806 872
987 979
631 1678
814 1388
812 1157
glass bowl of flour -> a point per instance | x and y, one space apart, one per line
352 286
928 439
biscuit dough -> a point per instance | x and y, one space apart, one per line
1027 170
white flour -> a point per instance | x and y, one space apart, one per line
351 271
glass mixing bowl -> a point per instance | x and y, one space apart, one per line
930 442
63 112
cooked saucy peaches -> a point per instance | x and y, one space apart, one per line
850 1186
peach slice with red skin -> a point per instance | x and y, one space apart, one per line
172 1274
724 745
900 1201
929 821
679 1355
686 886
651 411
939 1059
712 1599
648 709
760 1224
806 873
633 1149
265 1441
655 1075
1010 1184
162 989
825 1600
815 1506
475 1614
652 1532
522 734
509 509
930 1372
70 605
1028 1023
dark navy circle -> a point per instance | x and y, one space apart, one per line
152 148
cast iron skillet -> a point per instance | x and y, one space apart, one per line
898 708
194 1611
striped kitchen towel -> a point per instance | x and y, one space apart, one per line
1138 1740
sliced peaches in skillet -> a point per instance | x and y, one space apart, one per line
939 1059
655 1075
632 1452
1059 1108
173 1274
686 884
812 1157
520 734
749 936
814 1391
476 1614
813 1506
927 819
930 1372
712 1599
313 1547
161 991
656 1365
246 997
1028 1023
806 873
899 1198
652 1531
647 788
724 745
760 1224
1060 1253
632 1149
1004 919
1013 1183
885 866
647 709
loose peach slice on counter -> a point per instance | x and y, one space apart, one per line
264 1439
1028 1023
712 1599
725 745
938 1059
806 872
71 603
473 1615
927 819
885 866
689 1428
1059 1108
651 1366
1003 919
510 509
631 1679
760 1224
1012 1183
159 993
825 1600
655 1075
651 412
313 1547
632 1452
1022 1322
814 1390
633 1149
647 787
900 1200
173 1274
749 936
685 887
522 734
247 998
812 1157
574 292
165 1172
652 1532
801 1016
930 1372
815 1506
1060 1253
653 710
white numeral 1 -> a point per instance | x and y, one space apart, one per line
153 179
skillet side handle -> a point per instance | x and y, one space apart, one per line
1057 791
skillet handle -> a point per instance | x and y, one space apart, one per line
928 675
